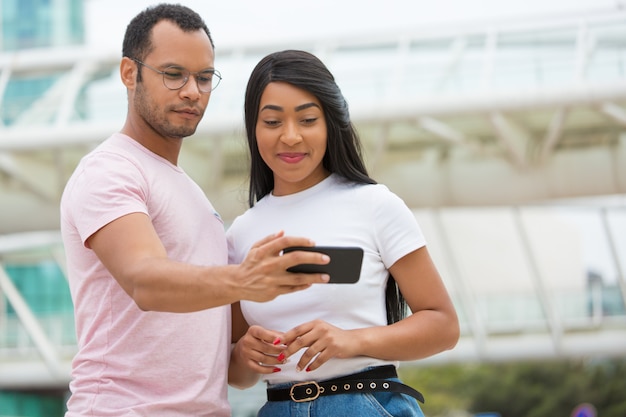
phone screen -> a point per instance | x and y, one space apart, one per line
344 266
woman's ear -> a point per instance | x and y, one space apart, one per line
128 72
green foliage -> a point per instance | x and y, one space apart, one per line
525 389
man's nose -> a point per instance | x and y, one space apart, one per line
191 90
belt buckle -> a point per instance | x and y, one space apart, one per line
308 391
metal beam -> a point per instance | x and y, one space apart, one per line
467 299
12 169
78 77
555 130
608 231
457 49
46 349
615 112
5 75
441 130
555 327
31 138
512 137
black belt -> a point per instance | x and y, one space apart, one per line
373 380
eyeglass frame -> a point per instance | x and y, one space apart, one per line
213 71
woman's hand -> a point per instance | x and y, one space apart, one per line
322 341
260 350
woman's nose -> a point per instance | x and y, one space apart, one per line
290 135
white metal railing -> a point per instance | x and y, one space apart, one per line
398 68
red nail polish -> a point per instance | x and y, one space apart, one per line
281 357
276 370
276 341
308 369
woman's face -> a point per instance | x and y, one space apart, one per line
291 137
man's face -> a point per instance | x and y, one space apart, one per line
173 113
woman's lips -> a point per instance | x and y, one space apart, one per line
291 157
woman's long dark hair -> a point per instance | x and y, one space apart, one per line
343 150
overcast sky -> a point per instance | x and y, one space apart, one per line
240 21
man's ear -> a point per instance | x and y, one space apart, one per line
128 72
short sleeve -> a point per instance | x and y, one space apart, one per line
109 186
397 230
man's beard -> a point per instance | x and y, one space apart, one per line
154 117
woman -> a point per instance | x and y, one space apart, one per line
308 178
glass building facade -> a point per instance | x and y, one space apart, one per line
31 24
41 23
24 25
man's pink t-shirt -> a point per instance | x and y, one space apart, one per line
132 362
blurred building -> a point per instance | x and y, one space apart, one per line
28 24
508 140
34 25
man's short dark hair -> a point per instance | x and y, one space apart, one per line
137 40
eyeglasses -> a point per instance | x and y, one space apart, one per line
175 78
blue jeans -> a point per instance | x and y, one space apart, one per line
375 404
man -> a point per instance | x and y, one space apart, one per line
146 252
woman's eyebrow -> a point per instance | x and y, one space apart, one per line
271 107
297 108
306 106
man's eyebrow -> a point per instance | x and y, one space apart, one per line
180 67
171 65
298 108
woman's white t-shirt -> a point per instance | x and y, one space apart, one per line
332 213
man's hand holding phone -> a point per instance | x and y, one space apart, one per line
344 266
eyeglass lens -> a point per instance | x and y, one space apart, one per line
175 78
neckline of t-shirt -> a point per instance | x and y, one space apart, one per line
321 186
148 152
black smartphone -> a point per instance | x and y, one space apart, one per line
344 266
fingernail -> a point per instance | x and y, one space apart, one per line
276 341
325 277
326 257
276 370
281 357
308 369
298 369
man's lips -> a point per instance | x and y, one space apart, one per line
188 112
291 157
